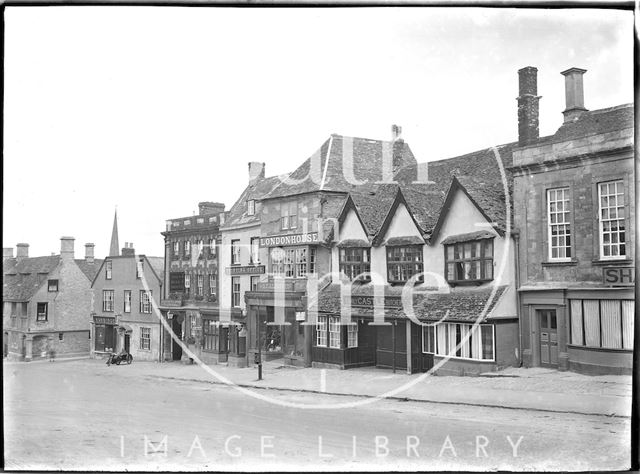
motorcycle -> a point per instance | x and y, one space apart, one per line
119 358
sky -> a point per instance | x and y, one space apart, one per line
154 109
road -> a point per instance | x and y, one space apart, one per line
80 416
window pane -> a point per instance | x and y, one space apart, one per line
487 341
611 324
627 323
576 322
591 323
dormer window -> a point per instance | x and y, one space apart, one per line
53 286
355 261
251 207
108 269
403 262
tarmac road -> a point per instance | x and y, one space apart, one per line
77 415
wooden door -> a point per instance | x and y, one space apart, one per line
548 337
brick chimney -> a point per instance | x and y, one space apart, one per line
67 252
7 252
256 171
574 93
528 105
398 146
208 208
396 132
128 250
88 252
22 251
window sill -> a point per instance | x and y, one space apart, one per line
620 261
599 349
560 263
467 282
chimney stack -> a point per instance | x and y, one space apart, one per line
256 171
128 250
22 251
66 248
208 208
7 252
88 252
396 133
528 105
574 93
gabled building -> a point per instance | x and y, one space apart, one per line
297 223
574 194
190 289
46 302
122 315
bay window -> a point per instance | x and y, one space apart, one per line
459 340
469 261
606 324
403 263
293 262
355 261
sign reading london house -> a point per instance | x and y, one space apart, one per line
618 276
290 239
245 270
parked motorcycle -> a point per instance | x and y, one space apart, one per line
119 358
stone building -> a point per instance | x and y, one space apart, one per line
190 291
574 195
122 315
46 302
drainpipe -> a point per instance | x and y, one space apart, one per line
516 238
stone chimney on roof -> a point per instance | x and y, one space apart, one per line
67 252
207 208
128 250
256 171
22 251
396 133
574 93
528 105
88 252
7 252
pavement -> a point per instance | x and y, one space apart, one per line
517 388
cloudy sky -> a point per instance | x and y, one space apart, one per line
153 109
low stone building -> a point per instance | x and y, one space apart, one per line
46 302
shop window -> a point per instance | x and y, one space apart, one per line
52 286
403 263
127 301
458 340
293 262
606 324
559 224
210 335
612 220
235 252
355 261
469 261
42 312
321 331
334 332
145 339
145 301
108 267
352 335
107 300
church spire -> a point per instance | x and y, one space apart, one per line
114 250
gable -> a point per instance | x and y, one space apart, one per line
461 216
401 224
351 227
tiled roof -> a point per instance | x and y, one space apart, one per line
373 204
481 234
238 213
367 166
595 122
89 269
457 306
478 172
21 280
157 263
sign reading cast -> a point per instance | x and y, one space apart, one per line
289 239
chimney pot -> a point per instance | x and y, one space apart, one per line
66 248
256 171
528 105
396 132
88 252
574 93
